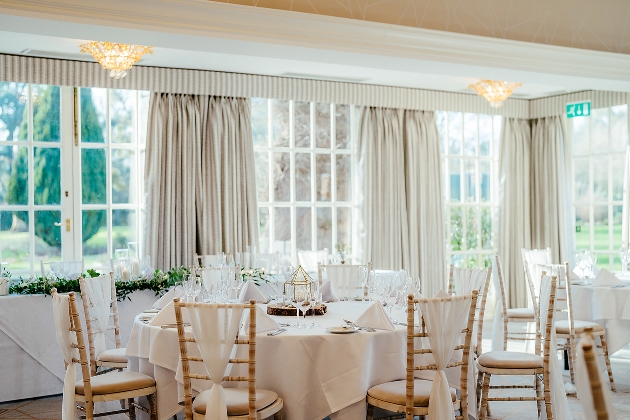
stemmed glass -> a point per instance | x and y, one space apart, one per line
624 255
297 301
314 296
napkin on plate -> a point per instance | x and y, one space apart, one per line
375 317
167 315
250 291
606 278
328 294
164 300
263 321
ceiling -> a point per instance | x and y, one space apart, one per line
197 34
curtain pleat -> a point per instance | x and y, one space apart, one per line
199 176
399 159
514 206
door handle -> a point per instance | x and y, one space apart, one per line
58 224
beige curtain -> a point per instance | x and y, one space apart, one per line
550 200
399 161
199 178
514 206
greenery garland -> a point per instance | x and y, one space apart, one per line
159 283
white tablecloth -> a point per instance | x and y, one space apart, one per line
315 372
31 364
607 306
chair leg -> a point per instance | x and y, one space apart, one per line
539 394
132 409
89 410
570 344
478 390
152 406
484 396
277 416
547 393
370 412
602 338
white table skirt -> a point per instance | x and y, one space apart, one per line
608 307
31 363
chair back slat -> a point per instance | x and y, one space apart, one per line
346 279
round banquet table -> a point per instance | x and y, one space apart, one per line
316 373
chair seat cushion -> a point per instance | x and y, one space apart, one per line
562 326
237 400
113 356
510 360
527 313
113 382
395 392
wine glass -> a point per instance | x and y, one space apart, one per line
623 255
297 303
314 295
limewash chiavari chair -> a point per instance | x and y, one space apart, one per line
507 363
346 279
250 403
112 386
412 395
569 329
109 359
597 406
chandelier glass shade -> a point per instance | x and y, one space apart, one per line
117 58
495 91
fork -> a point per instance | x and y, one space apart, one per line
368 329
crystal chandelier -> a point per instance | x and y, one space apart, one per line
495 91
117 58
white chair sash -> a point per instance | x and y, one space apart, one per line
498 334
583 383
438 312
345 280
65 338
559 402
99 295
466 280
215 328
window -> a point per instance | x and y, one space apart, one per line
470 151
55 196
598 150
304 173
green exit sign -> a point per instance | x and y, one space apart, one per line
579 109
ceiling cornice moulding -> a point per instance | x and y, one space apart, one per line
270 26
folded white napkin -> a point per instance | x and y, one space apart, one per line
441 294
605 278
250 291
573 276
328 294
375 317
164 300
263 321
167 315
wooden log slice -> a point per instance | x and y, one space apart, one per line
290 310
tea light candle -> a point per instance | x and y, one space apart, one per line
125 274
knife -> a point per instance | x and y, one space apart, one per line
276 332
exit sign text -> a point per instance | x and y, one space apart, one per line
579 109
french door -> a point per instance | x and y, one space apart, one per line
69 193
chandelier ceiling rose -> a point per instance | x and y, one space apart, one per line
495 91
117 58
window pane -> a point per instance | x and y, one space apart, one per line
456 228
457 260
471 180
455 179
280 123
322 125
94 224
303 177
48 236
122 106
13 103
471 261
263 231
485 179
497 122
342 126
123 228
581 180
600 179
599 131
93 181
303 228
262 175
470 134
581 133
282 176
93 115
486 228
47 175
617 222
487 261
14 237
618 162
454 133
260 121
323 177
124 176
302 122
344 225
46 115
324 228
282 229
600 227
13 175
619 128
582 228
344 177
440 117
143 115
471 228
485 134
